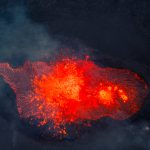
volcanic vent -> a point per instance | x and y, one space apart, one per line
72 91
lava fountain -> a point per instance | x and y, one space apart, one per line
72 91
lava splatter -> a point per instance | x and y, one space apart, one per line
71 91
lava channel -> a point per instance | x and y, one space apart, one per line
72 91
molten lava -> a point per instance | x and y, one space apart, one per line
72 91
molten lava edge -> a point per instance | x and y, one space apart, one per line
72 91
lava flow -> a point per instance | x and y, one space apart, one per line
72 91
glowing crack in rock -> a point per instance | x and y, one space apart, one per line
71 91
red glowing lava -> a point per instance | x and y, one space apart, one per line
73 91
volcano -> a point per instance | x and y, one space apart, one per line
72 91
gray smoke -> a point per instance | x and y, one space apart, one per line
22 36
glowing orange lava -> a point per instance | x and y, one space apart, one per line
71 91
